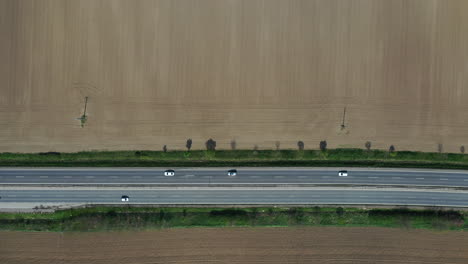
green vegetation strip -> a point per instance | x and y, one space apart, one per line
140 218
238 158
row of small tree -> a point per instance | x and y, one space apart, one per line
210 144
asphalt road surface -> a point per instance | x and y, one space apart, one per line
226 196
358 176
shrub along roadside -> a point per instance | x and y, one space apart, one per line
138 218
201 158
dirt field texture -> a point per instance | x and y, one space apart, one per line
237 245
158 72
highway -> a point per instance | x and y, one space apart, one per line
236 196
42 186
357 176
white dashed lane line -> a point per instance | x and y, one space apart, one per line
89 177
255 177
396 178
19 176
443 179
278 177
43 177
114 177
302 177
68 177
136 177
372 177
419 178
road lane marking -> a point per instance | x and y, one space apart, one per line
136 177
43 176
114 177
419 178
89 177
19 176
363 196
207 177
68 177
443 179
11 195
302 177
254 176
465 180
372 177
277 177
396 177
189 175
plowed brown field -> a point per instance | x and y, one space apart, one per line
237 245
258 71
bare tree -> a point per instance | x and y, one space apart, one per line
277 144
391 149
440 148
210 144
165 149
368 145
188 145
233 144
462 149
323 145
300 145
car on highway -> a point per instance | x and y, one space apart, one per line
169 173
125 198
232 172
343 173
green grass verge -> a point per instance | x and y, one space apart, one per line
238 158
140 218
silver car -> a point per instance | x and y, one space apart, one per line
169 173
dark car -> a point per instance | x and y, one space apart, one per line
232 172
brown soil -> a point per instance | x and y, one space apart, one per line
259 71
237 245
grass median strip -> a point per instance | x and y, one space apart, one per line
139 218
201 158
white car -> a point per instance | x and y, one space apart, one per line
125 198
232 172
343 173
169 173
